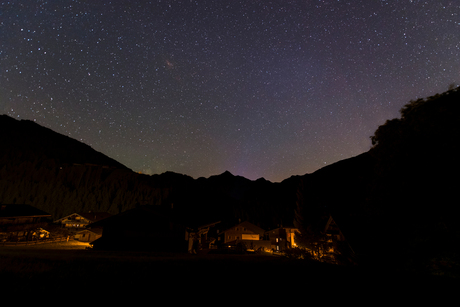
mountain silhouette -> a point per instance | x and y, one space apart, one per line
28 141
60 175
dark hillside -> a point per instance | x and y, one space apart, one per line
396 204
17 138
61 175
417 180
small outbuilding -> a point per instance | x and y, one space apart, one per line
282 238
88 235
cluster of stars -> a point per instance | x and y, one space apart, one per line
262 89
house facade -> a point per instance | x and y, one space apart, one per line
282 238
245 233
21 222
81 220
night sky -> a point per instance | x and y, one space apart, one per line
259 88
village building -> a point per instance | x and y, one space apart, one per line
281 238
80 220
344 239
19 222
244 234
88 235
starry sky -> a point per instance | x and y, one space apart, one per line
259 88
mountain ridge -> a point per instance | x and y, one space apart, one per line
61 175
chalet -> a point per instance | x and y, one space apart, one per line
152 228
245 233
281 238
21 222
81 219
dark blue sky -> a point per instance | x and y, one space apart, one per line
259 88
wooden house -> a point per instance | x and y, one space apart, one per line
80 220
21 222
244 233
152 228
281 238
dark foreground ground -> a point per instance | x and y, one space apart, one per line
76 274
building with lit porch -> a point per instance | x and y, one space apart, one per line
245 233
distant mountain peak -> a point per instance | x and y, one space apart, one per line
262 179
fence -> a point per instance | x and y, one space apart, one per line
37 241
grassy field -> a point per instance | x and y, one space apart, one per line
68 267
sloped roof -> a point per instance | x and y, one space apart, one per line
96 230
91 216
94 216
249 226
21 210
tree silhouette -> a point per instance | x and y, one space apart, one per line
415 175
